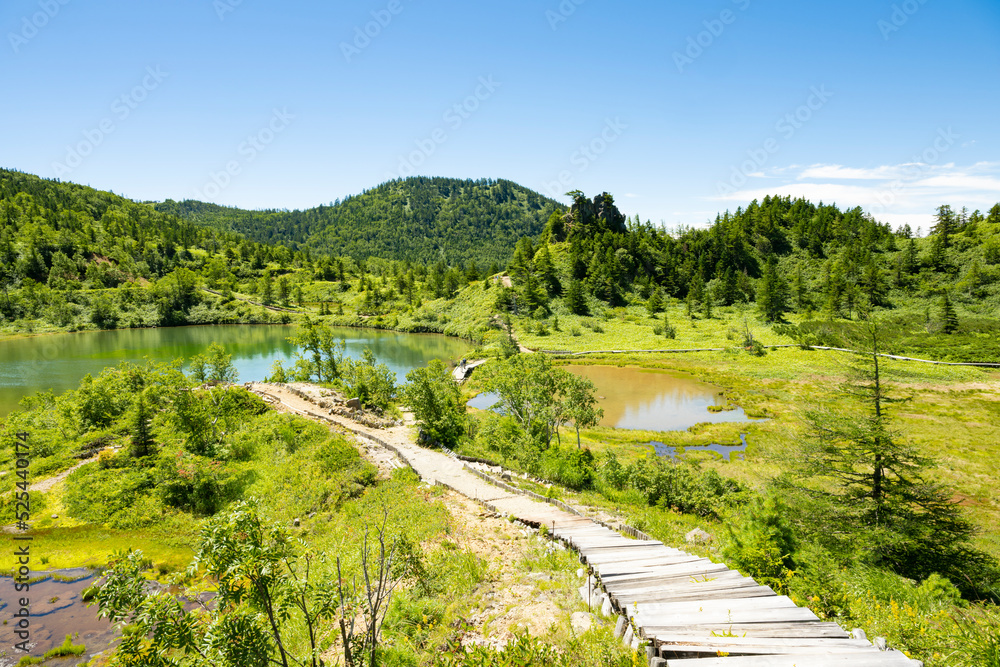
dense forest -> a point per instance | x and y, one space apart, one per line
419 219
782 256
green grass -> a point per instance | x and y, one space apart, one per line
169 548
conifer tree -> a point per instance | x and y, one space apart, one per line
283 291
575 300
802 302
945 225
881 505
772 293
949 318
267 289
142 431
655 303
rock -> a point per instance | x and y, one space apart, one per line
579 573
540 576
858 633
620 626
296 522
581 622
606 608
698 536
55 516
354 403
881 644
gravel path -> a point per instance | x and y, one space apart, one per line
432 466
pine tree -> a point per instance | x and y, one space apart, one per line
283 291
142 431
575 300
802 302
874 284
939 252
267 289
669 331
729 289
707 305
946 224
910 259
994 215
772 293
880 505
547 272
655 303
949 318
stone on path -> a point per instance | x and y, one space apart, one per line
581 622
698 536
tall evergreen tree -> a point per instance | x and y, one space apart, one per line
142 430
946 224
575 300
655 303
772 293
949 318
267 289
547 271
881 505
802 302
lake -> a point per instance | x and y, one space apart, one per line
58 362
647 400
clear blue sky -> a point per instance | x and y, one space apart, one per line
904 96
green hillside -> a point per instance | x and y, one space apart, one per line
809 271
417 219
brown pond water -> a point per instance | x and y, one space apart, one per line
647 400
57 609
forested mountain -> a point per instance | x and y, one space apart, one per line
71 255
417 219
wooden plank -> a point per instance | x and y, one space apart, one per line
731 580
682 642
797 629
754 592
780 602
664 574
721 616
713 647
819 659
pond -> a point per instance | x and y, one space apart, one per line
57 610
725 451
647 400
58 362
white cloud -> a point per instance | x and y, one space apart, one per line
897 193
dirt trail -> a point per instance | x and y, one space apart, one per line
47 484
511 597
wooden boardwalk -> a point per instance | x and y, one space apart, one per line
693 612
690 611
463 371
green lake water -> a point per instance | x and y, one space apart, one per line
58 362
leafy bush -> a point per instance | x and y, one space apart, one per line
760 542
198 484
336 455
569 466
110 496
